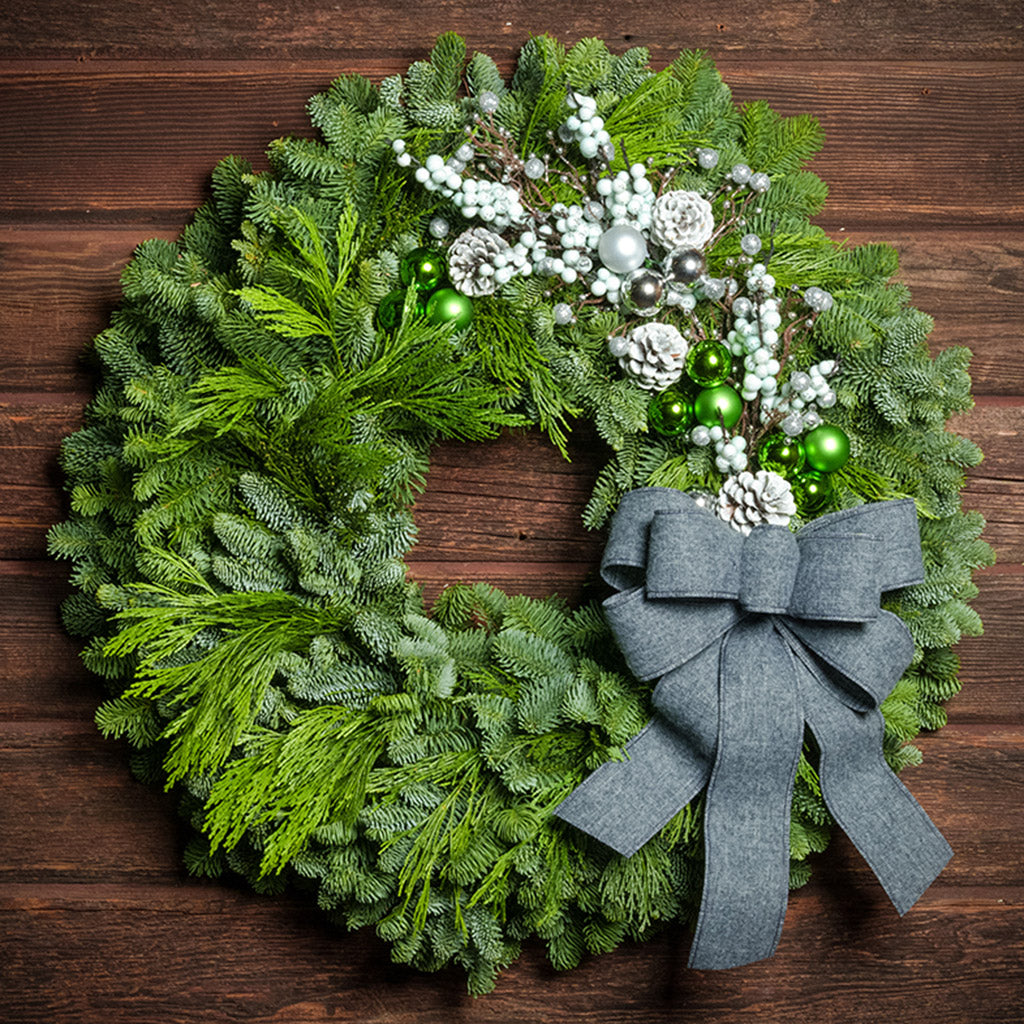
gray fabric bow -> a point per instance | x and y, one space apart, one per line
753 637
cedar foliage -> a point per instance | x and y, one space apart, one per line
240 511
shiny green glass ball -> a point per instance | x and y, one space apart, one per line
389 312
670 413
720 406
781 454
708 363
447 306
812 492
827 448
423 267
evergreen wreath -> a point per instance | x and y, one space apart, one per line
271 388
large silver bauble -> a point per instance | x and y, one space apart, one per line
684 266
643 291
622 249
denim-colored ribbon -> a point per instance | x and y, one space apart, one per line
753 637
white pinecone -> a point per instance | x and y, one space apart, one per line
471 261
652 354
682 220
751 498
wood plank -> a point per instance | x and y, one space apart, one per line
900 135
514 499
60 285
82 818
82 954
44 678
72 810
293 30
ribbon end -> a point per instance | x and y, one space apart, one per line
928 868
625 803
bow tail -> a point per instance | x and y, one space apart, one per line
888 826
747 811
626 803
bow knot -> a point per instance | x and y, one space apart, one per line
753 637
769 563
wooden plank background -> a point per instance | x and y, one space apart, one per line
113 115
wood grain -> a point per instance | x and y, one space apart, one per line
898 135
59 285
143 954
84 819
397 32
114 115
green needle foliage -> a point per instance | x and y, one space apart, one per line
241 496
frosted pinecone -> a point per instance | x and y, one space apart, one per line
652 354
751 498
473 260
682 220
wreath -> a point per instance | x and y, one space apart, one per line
459 256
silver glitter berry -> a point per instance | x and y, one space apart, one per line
750 244
740 173
562 313
534 168
439 227
488 101
707 158
714 287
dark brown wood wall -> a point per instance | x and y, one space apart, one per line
111 117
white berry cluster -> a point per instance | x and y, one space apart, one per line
586 128
628 197
755 337
802 396
494 202
730 450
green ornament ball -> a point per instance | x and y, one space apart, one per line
389 312
447 306
708 363
812 491
423 267
719 406
670 413
781 454
827 448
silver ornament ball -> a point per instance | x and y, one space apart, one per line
684 266
439 227
643 292
622 249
